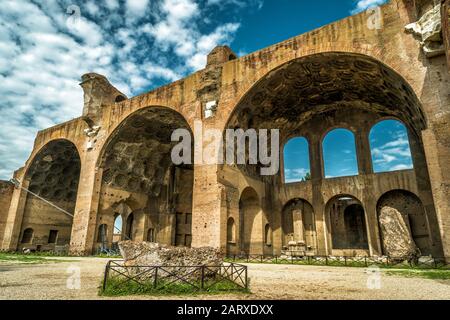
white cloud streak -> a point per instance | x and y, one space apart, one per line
136 44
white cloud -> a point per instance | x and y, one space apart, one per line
136 8
42 58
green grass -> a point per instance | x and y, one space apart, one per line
334 263
116 287
27 258
421 273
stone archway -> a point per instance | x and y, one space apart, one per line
53 175
298 226
251 223
347 226
137 168
404 225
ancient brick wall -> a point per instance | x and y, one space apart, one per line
6 191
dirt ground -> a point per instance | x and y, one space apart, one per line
49 281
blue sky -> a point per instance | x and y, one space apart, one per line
137 44
389 147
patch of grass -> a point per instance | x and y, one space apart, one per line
26 258
104 255
116 287
421 273
338 264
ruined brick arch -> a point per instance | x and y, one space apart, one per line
401 218
298 225
128 115
322 87
53 174
282 153
346 224
139 148
136 166
369 64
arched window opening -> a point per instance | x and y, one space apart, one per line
117 234
102 234
231 231
339 154
27 236
390 148
296 160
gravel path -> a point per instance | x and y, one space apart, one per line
49 281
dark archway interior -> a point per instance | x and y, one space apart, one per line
130 227
139 172
347 224
53 175
137 158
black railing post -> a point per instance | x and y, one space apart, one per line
345 261
203 277
326 261
106 276
246 277
155 282
365 262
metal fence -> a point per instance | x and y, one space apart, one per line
197 278
388 262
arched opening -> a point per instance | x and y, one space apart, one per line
339 154
232 247
53 175
323 91
27 236
347 225
137 163
231 231
389 145
296 160
129 231
117 234
403 224
298 226
308 97
151 235
251 222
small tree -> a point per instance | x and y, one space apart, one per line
307 177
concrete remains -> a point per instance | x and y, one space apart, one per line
153 254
